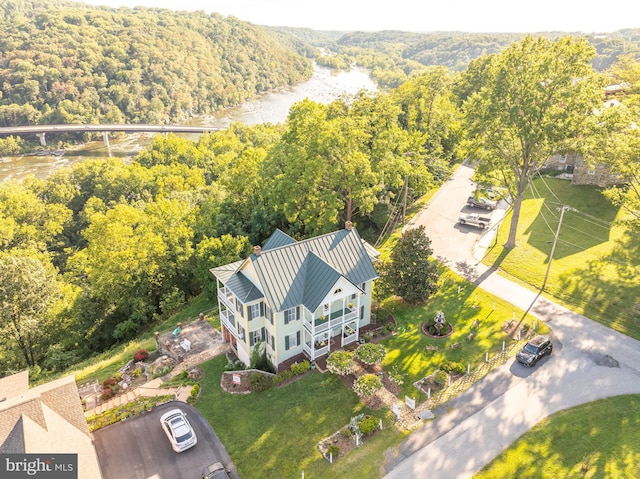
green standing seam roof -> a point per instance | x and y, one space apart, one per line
301 272
319 279
277 239
286 284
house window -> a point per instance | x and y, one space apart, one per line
290 315
563 159
292 341
268 313
256 336
240 333
591 171
254 311
240 307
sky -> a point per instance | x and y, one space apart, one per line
586 16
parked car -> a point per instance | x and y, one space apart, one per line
534 350
215 471
473 219
177 428
481 203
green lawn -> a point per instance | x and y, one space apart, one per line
406 349
597 440
275 434
596 264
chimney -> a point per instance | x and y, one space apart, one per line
257 250
348 225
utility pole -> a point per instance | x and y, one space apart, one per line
553 247
404 201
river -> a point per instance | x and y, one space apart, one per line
323 87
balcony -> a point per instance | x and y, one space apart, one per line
228 319
226 297
336 318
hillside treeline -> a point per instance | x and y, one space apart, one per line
66 62
101 251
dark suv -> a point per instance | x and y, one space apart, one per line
534 350
481 203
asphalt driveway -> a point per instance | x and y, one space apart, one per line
590 361
138 448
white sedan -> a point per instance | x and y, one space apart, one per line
177 428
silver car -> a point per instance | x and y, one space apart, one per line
177 428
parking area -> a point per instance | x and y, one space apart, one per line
138 448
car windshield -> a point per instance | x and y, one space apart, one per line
530 348
183 435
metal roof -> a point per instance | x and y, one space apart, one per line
288 280
301 272
277 239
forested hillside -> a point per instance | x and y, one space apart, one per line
67 62
101 251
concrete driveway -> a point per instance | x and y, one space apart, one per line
139 449
589 362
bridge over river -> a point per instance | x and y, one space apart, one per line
41 130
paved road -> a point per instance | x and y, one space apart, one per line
139 449
589 362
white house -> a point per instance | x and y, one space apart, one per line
296 297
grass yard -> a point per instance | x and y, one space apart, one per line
597 440
596 264
275 434
406 351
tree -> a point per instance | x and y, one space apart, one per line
212 252
27 291
536 99
410 274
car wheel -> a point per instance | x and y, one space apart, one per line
481 226
461 222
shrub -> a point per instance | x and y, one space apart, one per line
440 378
387 328
234 365
396 376
278 378
195 390
108 393
299 368
259 382
341 362
367 384
368 425
288 374
140 355
371 353
345 431
109 382
333 450
137 372
452 367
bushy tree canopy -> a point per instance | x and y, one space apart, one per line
410 273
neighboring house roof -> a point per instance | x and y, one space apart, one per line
46 419
292 272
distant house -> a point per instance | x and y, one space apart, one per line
46 419
582 173
297 297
